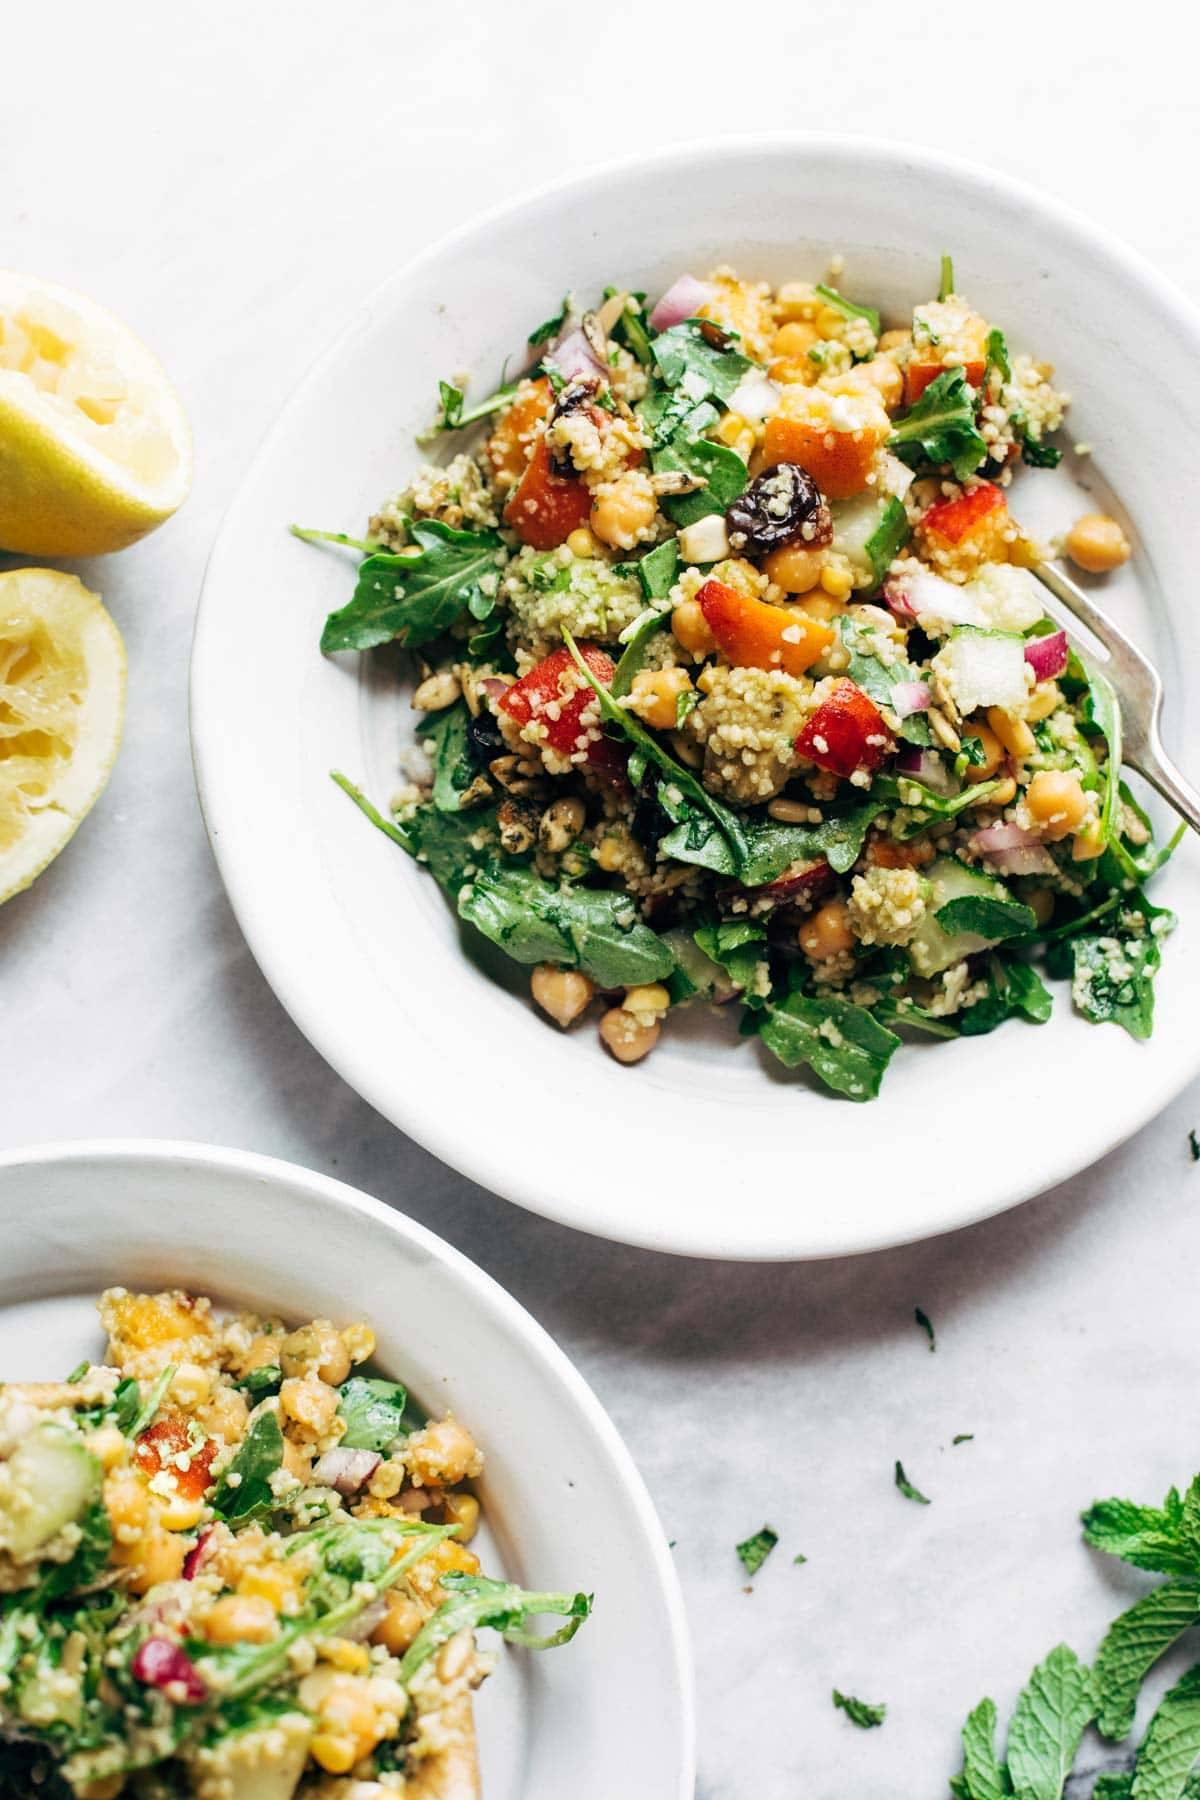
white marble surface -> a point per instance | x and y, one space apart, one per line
233 179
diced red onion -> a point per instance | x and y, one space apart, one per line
1013 850
920 594
925 766
910 697
797 881
681 301
1047 656
162 1664
574 360
195 1556
346 1470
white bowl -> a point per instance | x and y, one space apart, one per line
564 1505
704 1148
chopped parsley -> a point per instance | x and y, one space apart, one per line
963 1437
754 1551
860 1712
906 1487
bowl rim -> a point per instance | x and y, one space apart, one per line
430 1129
485 1294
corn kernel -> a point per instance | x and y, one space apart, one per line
353 1658
336 1753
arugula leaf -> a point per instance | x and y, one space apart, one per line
89 1559
1102 713
1039 455
889 537
860 1712
415 597
946 282
258 1383
1131 1647
373 1410
842 1044
754 1551
308 535
847 308
735 945
963 1437
772 848
541 334
923 1319
455 413
982 1777
683 352
906 791
1016 990
986 916
445 737
1054 1710
1171 1744
1131 861
940 428
1149 1537
634 653
997 355
726 821
475 1600
630 327
722 471
906 1487
148 1411
590 929
656 570
1113 972
245 1489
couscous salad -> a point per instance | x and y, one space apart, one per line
231 1567
736 683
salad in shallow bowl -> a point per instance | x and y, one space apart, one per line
618 867
736 683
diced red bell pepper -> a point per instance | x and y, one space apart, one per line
754 635
556 695
547 507
953 520
918 376
176 1444
846 733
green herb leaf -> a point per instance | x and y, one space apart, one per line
903 790
684 351
476 1601
634 653
722 471
878 679
940 428
1016 990
455 413
906 1487
245 1489
982 1777
1133 1644
988 917
754 1551
590 929
258 1383
847 308
840 1042
658 569
1113 971
308 536
148 1411
445 737
415 597
888 538
631 329
946 283
997 354
926 1323
541 334
373 1410
1051 1716
1039 455
1194 1145
1149 1537
860 1712
774 848
1171 1744
963 1437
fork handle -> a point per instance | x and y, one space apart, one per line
1151 761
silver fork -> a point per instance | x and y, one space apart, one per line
1139 692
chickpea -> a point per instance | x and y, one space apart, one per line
647 1003
462 1510
1057 802
993 752
1097 543
562 993
583 543
1089 843
335 1364
336 1754
624 510
443 1452
399 1624
225 1415
264 1350
826 932
241 1619
1003 794
627 1039
158 1558
1045 699
297 1461
691 628
655 694
796 338
108 1446
274 1582
128 1504
881 374
796 568
308 1403
1013 733
895 340
820 606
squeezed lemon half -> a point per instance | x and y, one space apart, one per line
62 705
95 449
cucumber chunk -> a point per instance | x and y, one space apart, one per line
50 1480
933 949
